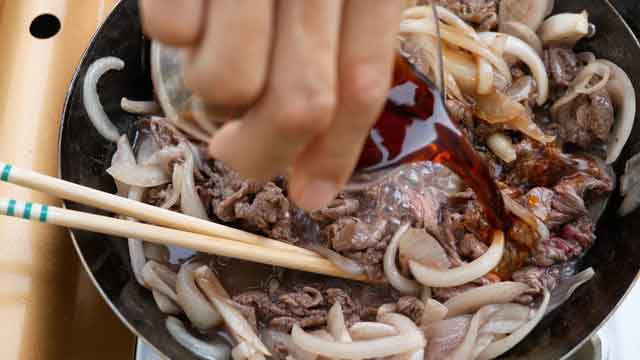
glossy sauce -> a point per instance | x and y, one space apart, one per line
416 126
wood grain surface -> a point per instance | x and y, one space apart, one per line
48 307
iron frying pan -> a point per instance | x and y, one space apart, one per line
84 155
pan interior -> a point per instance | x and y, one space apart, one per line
84 156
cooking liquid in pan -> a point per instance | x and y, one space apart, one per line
416 126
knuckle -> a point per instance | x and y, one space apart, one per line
223 87
306 115
364 86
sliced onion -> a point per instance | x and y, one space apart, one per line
485 77
582 83
463 274
273 338
140 107
433 311
156 252
165 156
391 271
215 350
239 327
366 330
123 155
91 100
526 215
199 311
523 51
336 325
419 245
176 181
623 96
425 12
444 336
136 175
519 91
190 202
160 278
387 346
456 38
137 258
462 67
404 326
244 351
343 263
564 29
502 146
524 33
507 319
566 287
465 350
165 304
503 345
473 299
529 12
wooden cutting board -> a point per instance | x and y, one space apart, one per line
48 307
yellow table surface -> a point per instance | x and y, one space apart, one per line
48 307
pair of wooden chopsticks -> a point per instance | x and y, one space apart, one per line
162 226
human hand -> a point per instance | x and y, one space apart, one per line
314 75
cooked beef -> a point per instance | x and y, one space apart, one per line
539 201
471 247
410 306
538 277
371 260
562 64
571 241
483 13
307 306
338 208
352 234
587 120
269 212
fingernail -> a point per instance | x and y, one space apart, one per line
315 194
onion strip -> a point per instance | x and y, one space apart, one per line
463 274
91 100
366 330
399 282
204 350
503 345
473 299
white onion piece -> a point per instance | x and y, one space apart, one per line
140 107
526 215
136 175
366 330
123 155
623 96
463 274
455 38
166 305
239 327
466 349
190 202
199 311
425 12
137 258
503 345
164 157
564 29
444 336
176 181
508 318
419 245
433 311
399 282
273 338
502 146
425 294
336 325
524 33
529 12
566 287
215 350
160 278
156 252
342 262
582 83
485 76
404 326
91 100
528 55
463 69
244 351
473 299
362 349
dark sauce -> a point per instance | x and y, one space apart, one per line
416 126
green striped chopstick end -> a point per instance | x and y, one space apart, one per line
6 171
44 211
26 214
11 208
27 211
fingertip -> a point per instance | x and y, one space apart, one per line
312 193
